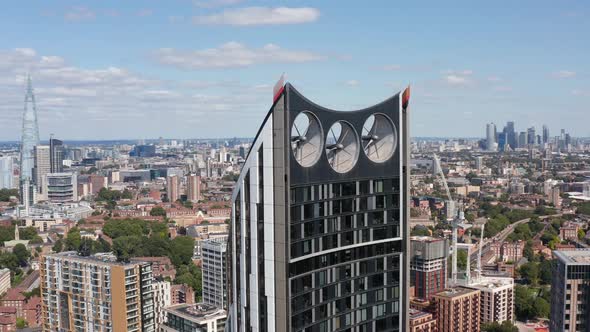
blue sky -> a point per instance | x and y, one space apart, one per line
205 68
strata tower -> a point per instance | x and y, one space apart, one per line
319 232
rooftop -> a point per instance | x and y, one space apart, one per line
426 239
416 314
456 292
99 258
580 256
198 313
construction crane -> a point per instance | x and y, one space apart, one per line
458 220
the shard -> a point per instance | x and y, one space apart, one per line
30 138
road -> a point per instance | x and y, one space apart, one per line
503 235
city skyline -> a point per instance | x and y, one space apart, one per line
209 62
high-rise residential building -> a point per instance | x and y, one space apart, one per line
214 267
319 220
162 299
95 293
6 172
97 182
428 265
42 166
193 187
173 188
479 163
61 187
56 155
30 134
570 291
491 143
458 310
497 298
545 134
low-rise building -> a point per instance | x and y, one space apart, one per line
497 298
421 321
182 294
194 317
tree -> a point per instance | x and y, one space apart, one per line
58 246
181 250
581 234
158 211
546 268
21 323
530 272
5 194
73 239
506 326
22 254
126 247
528 251
420 231
541 307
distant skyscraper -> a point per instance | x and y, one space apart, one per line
172 184
42 166
491 143
193 187
56 155
30 138
214 265
6 172
511 138
522 139
531 136
545 134
570 291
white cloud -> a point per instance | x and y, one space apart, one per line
70 99
250 16
390 67
215 3
232 55
564 74
578 92
494 79
456 80
145 12
352 82
77 14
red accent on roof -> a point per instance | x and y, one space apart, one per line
406 98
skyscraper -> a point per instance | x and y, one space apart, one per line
214 259
545 134
30 138
531 136
491 143
570 291
95 293
319 225
193 187
6 172
511 138
42 166
56 155
428 265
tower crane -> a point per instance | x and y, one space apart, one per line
458 220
